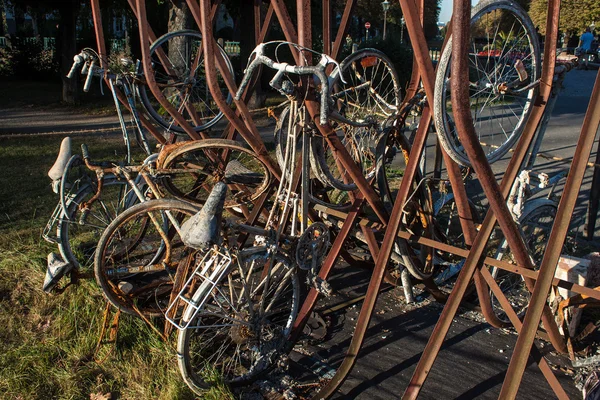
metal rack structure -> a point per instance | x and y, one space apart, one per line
539 282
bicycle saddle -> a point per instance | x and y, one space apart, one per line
202 229
57 170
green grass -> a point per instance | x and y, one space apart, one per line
47 342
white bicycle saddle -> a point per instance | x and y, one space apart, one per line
56 172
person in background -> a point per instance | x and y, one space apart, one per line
585 44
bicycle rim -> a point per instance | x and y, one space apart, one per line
235 336
504 51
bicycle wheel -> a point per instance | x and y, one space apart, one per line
78 230
189 171
138 255
505 63
178 66
244 323
394 151
321 191
371 93
535 224
447 227
326 163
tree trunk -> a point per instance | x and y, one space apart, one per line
180 16
67 47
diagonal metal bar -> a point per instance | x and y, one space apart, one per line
560 228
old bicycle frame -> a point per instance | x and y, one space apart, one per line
539 282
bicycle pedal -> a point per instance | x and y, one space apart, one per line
57 268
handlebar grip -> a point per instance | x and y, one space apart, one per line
77 60
84 152
324 98
247 78
88 81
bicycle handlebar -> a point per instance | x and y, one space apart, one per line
88 81
77 60
84 152
283 68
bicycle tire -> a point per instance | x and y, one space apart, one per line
447 226
133 240
77 240
321 192
204 365
501 133
194 84
372 88
371 104
202 158
535 224
418 211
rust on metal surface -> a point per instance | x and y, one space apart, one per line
559 231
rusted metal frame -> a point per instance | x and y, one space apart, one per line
328 264
285 22
448 248
382 258
343 28
514 319
560 228
477 251
327 26
163 58
246 128
151 82
101 44
349 164
468 137
229 131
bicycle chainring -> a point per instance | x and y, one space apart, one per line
312 246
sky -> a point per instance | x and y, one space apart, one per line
446 11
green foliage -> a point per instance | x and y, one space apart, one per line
575 15
400 55
29 60
6 62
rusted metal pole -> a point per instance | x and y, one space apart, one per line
343 29
101 44
327 26
245 127
304 28
477 252
559 231
143 29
